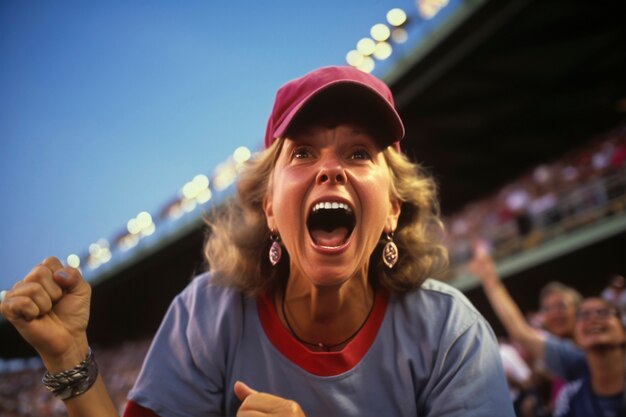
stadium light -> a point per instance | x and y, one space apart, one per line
225 175
366 46
399 35
379 45
429 8
197 190
144 220
190 190
382 51
242 154
367 65
73 260
188 204
354 58
396 17
132 227
380 32
201 181
204 196
99 253
128 242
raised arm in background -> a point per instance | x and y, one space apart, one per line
507 310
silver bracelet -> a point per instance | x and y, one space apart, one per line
72 382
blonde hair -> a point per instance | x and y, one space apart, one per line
555 287
237 246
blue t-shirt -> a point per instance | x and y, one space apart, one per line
426 353
576 398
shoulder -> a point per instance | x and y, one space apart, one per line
441 289
453 345
191 350
203 293
444 298
205 308
440 311
557 350
564 346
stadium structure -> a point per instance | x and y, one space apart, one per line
494 93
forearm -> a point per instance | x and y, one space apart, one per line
511 316
96 402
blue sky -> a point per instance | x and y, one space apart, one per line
108 108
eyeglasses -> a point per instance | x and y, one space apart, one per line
603 313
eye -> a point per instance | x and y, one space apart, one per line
301 152
362 154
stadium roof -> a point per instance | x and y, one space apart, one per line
514 84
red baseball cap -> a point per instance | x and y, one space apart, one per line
334 82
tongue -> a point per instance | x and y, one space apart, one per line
332 239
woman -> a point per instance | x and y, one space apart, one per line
601 390
317 302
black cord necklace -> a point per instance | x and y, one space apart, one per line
320 345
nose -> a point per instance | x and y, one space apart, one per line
331 172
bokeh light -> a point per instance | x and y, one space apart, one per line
399 35
382 51
241 154
73 260
429 8
396 17
367 65
366 46
380 32
354 58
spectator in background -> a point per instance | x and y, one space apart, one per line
597 377
558 304
615 293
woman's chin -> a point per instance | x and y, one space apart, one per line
329 277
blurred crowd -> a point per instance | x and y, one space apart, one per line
554 198
568 358
23 395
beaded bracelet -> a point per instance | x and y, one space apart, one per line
72 382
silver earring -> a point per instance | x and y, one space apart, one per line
390 252
276 252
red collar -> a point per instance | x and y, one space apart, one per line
322 363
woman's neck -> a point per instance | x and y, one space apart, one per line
608 375
325 315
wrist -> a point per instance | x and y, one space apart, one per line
74 381
69 358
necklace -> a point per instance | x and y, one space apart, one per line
320 345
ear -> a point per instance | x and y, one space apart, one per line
269 211
391 224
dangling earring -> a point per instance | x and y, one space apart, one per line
390 252
276 252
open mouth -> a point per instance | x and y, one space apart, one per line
330 223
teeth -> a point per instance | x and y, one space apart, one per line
327 205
